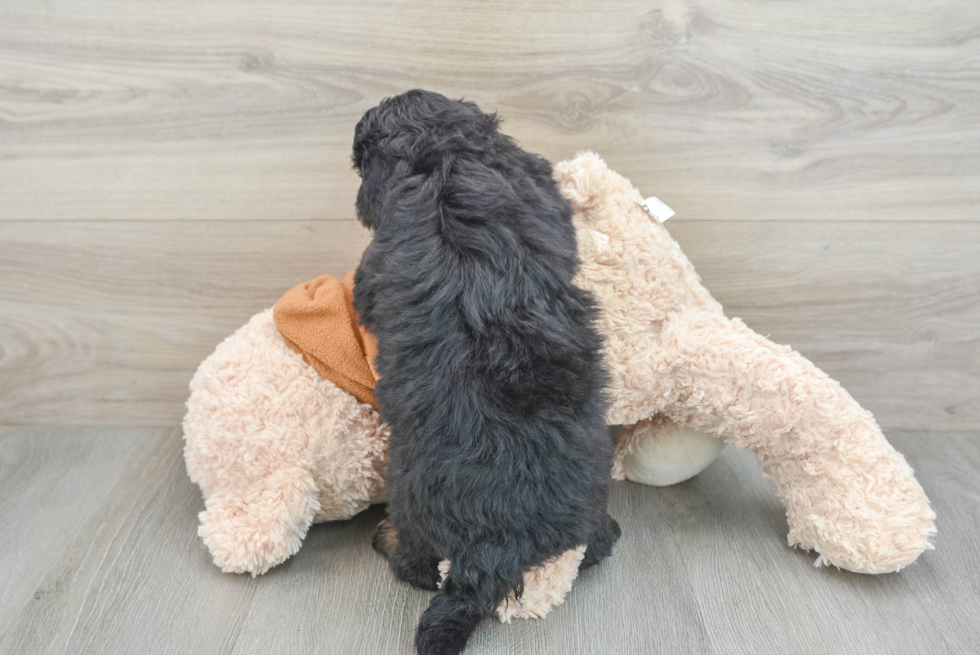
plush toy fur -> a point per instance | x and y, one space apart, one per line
671 352
275 447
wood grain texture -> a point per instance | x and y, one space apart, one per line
168 169
100 555
244 110
105 322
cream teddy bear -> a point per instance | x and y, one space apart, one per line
276 447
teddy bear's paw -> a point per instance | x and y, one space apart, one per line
875 520
659 452
251 530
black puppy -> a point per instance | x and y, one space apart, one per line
490 363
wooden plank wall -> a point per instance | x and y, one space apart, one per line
167 169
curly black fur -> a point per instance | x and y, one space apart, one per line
490 363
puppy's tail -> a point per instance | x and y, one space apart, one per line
467 596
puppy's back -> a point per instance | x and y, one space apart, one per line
490 364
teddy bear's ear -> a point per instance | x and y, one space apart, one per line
252 529
581 180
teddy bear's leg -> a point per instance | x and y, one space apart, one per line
252 529
848 494
269 441
661 453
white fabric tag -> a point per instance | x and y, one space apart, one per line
658 209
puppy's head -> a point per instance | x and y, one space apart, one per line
415 133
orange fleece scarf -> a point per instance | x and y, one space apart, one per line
317 320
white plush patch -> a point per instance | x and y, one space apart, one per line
666 454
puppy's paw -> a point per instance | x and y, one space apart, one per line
616 530
601 544
421 573
385 540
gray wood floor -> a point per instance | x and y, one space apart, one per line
98 554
